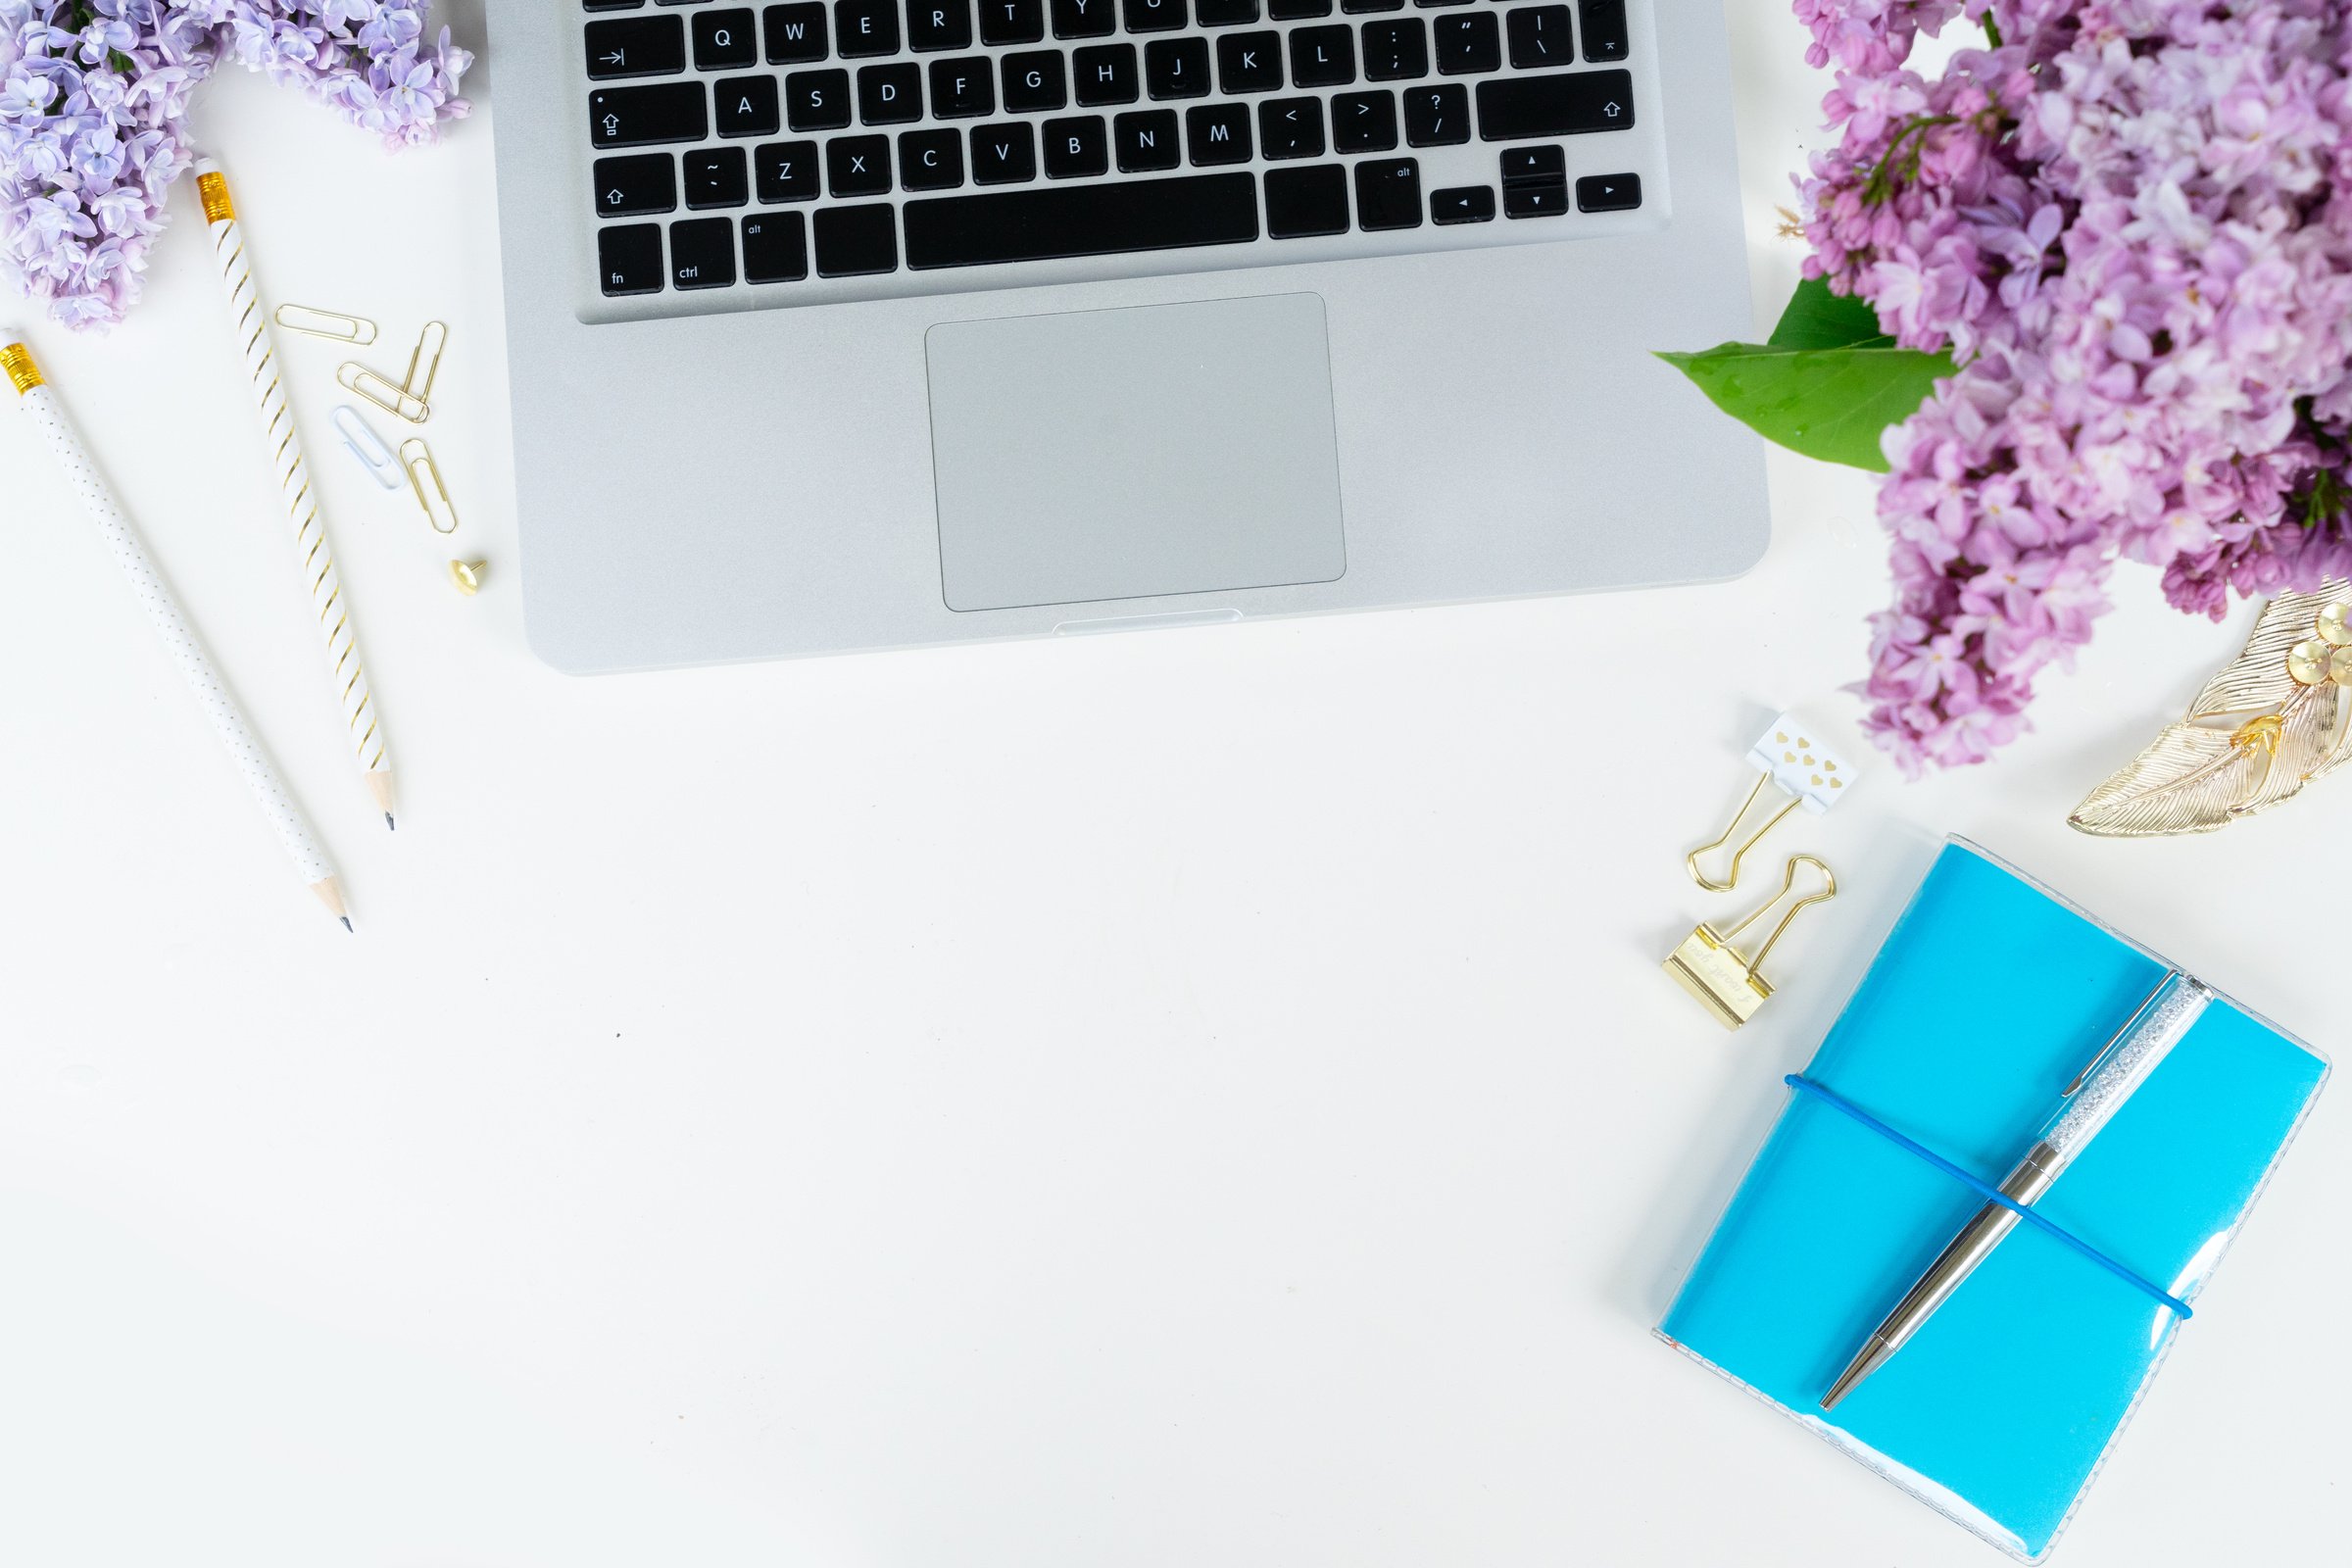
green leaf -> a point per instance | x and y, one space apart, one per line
1817 318
1830 404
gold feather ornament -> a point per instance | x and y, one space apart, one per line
2276 719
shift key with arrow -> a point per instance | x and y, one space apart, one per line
1554 104
636 47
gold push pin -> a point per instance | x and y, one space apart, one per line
1711 969
1800 773
467 576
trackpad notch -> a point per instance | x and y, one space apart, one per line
1126 453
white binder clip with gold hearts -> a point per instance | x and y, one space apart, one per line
1790 758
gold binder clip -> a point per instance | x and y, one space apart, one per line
1710 968
1787 757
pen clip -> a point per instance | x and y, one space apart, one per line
2125 1033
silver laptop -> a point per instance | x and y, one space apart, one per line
868 323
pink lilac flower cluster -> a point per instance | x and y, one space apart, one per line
94 108
2131 222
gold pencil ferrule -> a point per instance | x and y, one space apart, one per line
213 186
23 375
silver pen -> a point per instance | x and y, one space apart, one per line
2122 1065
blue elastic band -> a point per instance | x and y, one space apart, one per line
1986 1191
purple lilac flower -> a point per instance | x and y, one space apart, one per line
2130 220
93 117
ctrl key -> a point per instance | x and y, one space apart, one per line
628 259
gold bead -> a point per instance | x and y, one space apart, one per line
469 574
2307 661
2332 625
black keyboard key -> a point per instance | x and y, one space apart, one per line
1176 68
1217 133
857 166
702 253
726 41
1011 20
935 25
1105 74
640 117
1249 62
891 94
1604 30
795 35
1608 193
930 160
1152 15
1002 154
1533 166
1077 148
866 27
853 241
1535 201
628 259
818 100
1354 6
1297 10
785 170
717 176
1323 57
1085 19
1291 127
1146 141
626 187
1397 51
1469 44
1437 117
1424 4
1462 204
1387 193
1034 82
1363 122
637 46
610 5
1523 108
1305 202
747 106
1053 220
1540 37
1224 13
964 89
775 248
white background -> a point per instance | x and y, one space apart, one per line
1198 1097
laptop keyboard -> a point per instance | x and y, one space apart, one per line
814 151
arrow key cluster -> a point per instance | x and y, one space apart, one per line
1534 182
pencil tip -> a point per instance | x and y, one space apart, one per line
389 823
347 922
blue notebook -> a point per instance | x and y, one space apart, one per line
1986 1000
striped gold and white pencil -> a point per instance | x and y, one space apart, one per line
48 416
283 446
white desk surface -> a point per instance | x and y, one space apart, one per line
1205 1096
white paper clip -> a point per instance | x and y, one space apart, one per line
386 395
417 458
1787 758
333 325
425 361
362 442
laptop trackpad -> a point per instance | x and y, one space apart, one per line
1167 449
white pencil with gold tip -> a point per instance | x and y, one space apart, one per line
48 418
251 325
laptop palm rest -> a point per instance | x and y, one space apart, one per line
1129 454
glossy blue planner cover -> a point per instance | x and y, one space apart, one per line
1987 999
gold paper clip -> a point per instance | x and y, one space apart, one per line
333 325
425 361
1789 760
418 459
356 377
1711 969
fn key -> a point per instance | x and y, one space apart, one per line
628 259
